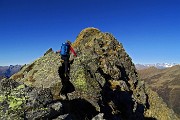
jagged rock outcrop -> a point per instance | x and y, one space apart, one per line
43 72
102 84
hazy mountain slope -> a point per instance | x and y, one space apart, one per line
7 71
166 83
1 77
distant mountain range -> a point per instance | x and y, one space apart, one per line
7 71
157 65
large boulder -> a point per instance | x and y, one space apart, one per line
43 72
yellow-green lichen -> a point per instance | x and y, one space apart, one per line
80 81
15 103
20 87
2 98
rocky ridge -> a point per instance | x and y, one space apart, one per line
103 84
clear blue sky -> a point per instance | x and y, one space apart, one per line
148 29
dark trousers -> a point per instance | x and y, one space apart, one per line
66 64
67 85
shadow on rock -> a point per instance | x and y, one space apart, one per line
117 104
76 109
67 87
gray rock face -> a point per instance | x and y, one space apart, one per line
102 84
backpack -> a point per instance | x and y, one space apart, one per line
64 49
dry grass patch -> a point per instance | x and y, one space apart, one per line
18 76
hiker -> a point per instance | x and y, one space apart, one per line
65 55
